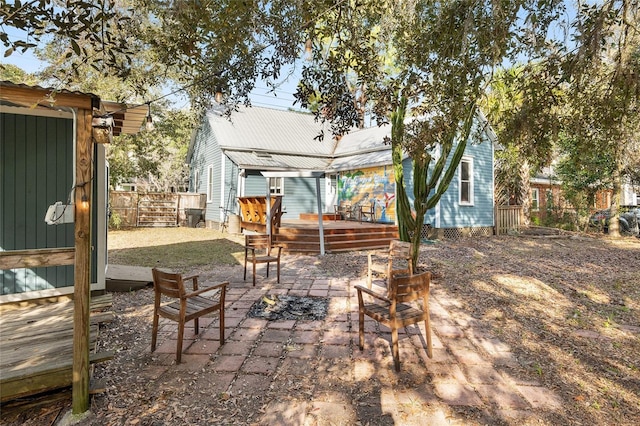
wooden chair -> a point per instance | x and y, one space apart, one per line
344 210
368 212
406 303
189 306
262 243
398 261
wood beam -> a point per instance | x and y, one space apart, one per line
36 258
30 96
82 287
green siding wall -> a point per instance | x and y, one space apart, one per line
36 170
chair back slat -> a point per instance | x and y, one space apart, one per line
258 241
407 288
168 284
399 249
399 258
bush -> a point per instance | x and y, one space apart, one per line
115 221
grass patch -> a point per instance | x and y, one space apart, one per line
179 249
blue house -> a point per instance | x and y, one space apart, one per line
259 149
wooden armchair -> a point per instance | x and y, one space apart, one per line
397 261
406 303
344 210
368 212
261 243
188 306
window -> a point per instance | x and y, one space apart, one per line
276 185
196 180
210 184
466 181
535 199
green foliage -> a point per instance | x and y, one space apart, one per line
115 221
440 56
16 75
97 23
577 102
157 155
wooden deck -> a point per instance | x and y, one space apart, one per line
303 236
36 347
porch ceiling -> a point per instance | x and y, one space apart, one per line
128 119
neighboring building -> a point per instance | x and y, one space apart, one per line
143 185
227 158
547 201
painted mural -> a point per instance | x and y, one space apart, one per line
376 184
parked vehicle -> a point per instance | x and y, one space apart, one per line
629 220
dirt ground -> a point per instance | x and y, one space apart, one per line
568 306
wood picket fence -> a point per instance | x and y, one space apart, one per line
135 209
508 219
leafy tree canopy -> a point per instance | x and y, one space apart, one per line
428 59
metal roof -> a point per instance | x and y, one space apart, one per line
269 139
128 119
270 130
368 159
363 141
274 161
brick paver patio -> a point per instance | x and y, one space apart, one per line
470 368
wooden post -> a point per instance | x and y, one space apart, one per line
320 224
82 270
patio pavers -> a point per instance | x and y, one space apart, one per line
470 368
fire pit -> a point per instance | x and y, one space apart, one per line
282 307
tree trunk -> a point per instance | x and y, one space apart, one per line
525 192
614 222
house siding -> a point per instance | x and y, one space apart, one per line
207 153
300 196
479 213
368 181
230 196
299 193
36 166
449 212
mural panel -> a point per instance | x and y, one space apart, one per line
364 186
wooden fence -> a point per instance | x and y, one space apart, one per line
136 208
508 219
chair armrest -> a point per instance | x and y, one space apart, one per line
372 293
204 290
381 254
193 278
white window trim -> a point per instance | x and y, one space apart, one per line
281 179
223 194
537 191
196 180
210 184
468 160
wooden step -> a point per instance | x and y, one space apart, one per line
307 240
